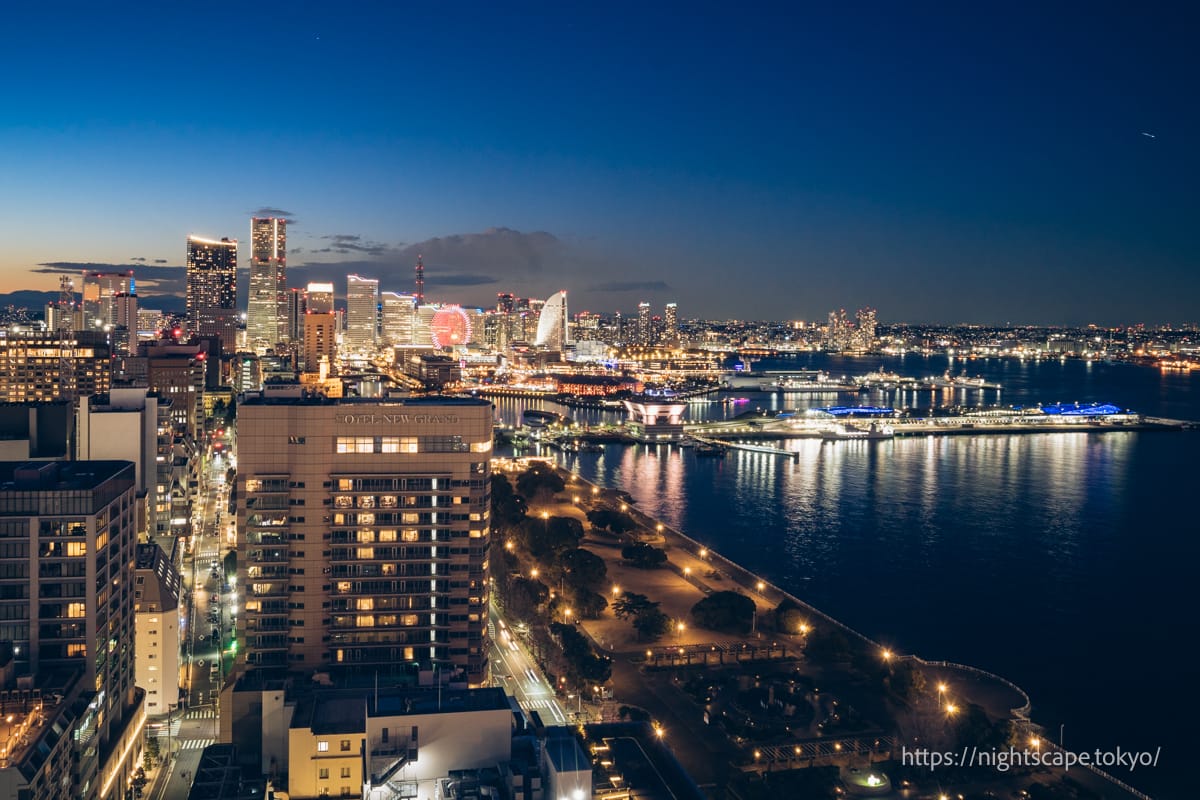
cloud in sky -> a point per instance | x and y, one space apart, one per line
163 279
345 243
457 266
268 211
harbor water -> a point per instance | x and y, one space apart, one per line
1061 561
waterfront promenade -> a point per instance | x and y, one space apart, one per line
692 572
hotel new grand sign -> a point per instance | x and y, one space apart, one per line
396 419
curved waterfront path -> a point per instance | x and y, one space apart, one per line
694 571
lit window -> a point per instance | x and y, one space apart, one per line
408 619
365 553
322 747
365 621
366 603
410 535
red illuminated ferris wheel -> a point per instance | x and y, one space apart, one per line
450 327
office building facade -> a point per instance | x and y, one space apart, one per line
266 308
362 314
212 289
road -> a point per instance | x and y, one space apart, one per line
205 658
514 669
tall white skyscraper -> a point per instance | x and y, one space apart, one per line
671 324
362 314
398 317
266 310
552 323
645 333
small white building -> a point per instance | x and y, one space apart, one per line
395 742
156 628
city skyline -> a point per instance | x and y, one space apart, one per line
768 167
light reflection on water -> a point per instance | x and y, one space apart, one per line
1024 554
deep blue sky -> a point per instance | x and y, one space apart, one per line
939 162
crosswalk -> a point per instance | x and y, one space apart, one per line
197 744
536 704
202 713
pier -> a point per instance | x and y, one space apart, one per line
752 448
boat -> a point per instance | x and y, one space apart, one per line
536 418
846 431
687 442
705 450
948 381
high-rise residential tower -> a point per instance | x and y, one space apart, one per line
212 289
388 567
645 333
68 609
671 324
266 310
362 314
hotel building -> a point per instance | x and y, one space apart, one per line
363 534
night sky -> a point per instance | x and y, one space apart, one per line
954 163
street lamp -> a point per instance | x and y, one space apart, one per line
760 586
941 687
679 628
704 552
533 573
951 710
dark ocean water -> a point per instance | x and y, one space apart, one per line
1063 562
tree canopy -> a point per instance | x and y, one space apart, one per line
644 556
725 611
584 569
508 507
550 538
539 479
607 519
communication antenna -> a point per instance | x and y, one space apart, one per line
419 297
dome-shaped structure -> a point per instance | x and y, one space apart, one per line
450 327
552 324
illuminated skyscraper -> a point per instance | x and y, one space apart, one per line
297 307
266 311
212 289
362 314
644 331
552 323
398 315
320 298
671 324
